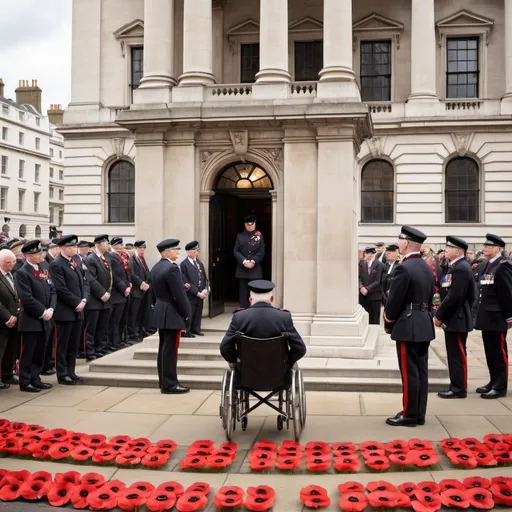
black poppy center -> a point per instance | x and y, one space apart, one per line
121 441
230 500
456 498
260 500
479 497
263 491
383 498
288 461
114 489
317 461
231 492
9 445
62 493
84 452
195 461
92 481
132 496
161 497
470 443
354 499
219 461
317 500
104 496
464 457
95 440
193 499
142 488
130 457
476 484
153 459
381 488
15 487
428 499
506 493
347 461
317 454
84 493
424 457
63 449
481 455
377 462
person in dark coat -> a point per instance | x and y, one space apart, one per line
38 300
262 320
97 309
139 275
194 274
121 289
171 314
381 252
370 285
408 318
454 315
392 263
15 246
249 252
69 281
53 251
9 335
494 315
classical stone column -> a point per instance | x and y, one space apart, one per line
273 42
506 103
197 43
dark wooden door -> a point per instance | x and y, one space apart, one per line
217 229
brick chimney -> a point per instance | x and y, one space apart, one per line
28 93
2 87
56 115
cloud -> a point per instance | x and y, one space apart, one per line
35 42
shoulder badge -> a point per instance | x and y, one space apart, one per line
239 309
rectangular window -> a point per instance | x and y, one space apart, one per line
37 173
61 195
38 143
21 138
249 62
5 164
21 170
21 116
38 121
376 70
51 172
60 154
21 200
61 217
51 151
36 201
51 192
5 110
52 216
61 175
3 198
309 60
137 66
462 68
5 132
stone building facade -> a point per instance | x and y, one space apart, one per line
334 121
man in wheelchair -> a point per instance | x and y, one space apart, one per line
262 320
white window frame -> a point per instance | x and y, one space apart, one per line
38 121
21 139
21 170
38 143
21 199
5 133
61 194
51 172
51 192
37 196
4 191
52 216
5 110
61 175
37 173
21 116
5 165
304 30
61 216
52 152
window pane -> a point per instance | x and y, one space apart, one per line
462 68
309 60
377 191
462 191
121 191
376 71
248 176
249 62
137 66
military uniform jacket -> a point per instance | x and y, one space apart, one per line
69 282
19 263
191 276
249 246
458 296
121 279
100 282
36 294
387 278
138 274
262 321
495 303
409 305
8 301
172 308
372 279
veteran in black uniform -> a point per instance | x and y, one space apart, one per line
139 274
171 315
249 252
72 294
371 271
38 301
97 309
494 315
194 274
454 315
408 318
392 263
262 320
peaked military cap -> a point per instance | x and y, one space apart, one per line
170 243
85 243
101 238
192 245
117 240
392 247
140 243
380 244
494 240
457 243
31 247
370 250
250 219
412 234
129 245
15 242
67 241
261 286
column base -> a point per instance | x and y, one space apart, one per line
196 78
337 74
147 95
423 105
343 90
272 75
506 104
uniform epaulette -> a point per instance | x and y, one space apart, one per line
239 309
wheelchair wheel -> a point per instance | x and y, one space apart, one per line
230 399
302 398
223 391
280 422
295 406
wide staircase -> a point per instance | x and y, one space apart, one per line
201 366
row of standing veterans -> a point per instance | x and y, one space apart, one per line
409 312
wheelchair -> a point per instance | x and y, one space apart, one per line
263 367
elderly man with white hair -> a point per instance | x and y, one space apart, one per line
9 337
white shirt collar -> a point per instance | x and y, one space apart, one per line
495 258
411 254
455 260
191 260
36 267
4 273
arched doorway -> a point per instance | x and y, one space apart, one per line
241 189
23 231
38 231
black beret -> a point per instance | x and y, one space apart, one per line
392 247
117 240
192 245
261 286
370 250
170 243
458 243
412 234
250 219
31 247
129 245
67 241
140 243
101 238
494 240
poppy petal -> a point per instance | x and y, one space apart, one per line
378 463
258 504
476 481
480 498
79 495
380 499
160 500
191 501
353 502
146 487
380 486
455 498
35 489
131 499
59 494
73 477
172 487
451 484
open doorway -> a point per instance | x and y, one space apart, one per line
241 189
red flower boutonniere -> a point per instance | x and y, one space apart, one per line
105 263
72 264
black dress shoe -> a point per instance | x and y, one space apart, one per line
451 394
77 379
493 394
90 358
11 380
176 390
4 386
484 389
29 389
421 422
198 333
66 381
401 421
42 385
51 371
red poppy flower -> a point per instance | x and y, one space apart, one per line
455 498
502 494
204 444
262 454
380 486
79 495
102 499
258 504
71 477
317 446
131 499
139 451
40 476
146 487
259 464
289 447
81 453
172 487
34 489
485 459
349 487
75 437
154 460
492 439
345 453
191 501
287 463
467 442
231 501
120 440
371 445
429 487
306 492
60 451
266 446
463 458
504 458
93 479
378 463
420 444
318 461
4 425
316 501
104 455
342 447
382 499
503 480
140 442
59 494
401 459
397 446
480 498
425 502
347 464
154 450
11 446
18 476
499 448
229 447
10 491
424 459
193 462
227 491
159 501
94 441
448 483
114 486
201 487
407 488
353 502
19 427
476 481
369 454
128 459
167 443
59 434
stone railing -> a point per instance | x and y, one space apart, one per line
228 92
303 89
380 108
471 105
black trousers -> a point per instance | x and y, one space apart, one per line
123 323
96 331
67 338
9 352
496 354
134 318
244 292
457 360
373 308
196 316
413 363
114 325
49 353
33 346
168 358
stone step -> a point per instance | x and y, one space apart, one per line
323 383
206 343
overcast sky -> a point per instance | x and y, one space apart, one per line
35 43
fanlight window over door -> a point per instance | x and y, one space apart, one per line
244 176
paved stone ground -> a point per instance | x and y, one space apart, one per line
332 417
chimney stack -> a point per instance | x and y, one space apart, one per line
56 115
28 93
2 87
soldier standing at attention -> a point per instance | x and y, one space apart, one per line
408 318
494 316
454 315
249 252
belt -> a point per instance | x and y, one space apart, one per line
417 307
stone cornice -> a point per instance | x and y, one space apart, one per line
23 150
